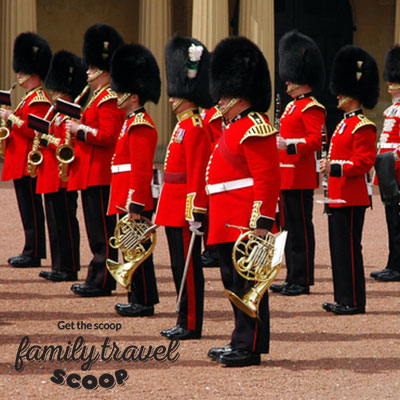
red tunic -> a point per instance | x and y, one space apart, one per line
48 180
390 136
95 146
301 125
246 149
351 154
20 141
183 197
132 165
213 120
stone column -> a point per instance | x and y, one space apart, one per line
16 16
154 31
210 22
397 23
256 22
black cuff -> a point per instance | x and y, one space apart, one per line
9 123
336 170
265 223
198 216
135 208
81 135
291 148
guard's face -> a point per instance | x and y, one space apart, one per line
92 74
227 105
292 89
394 89
22 78
176 104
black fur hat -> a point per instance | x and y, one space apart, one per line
188 71
99 45
239 69
300 60
135 70
67 74
355 74
391 69
32 54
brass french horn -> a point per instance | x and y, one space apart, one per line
252 257
133 238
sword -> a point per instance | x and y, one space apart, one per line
185 270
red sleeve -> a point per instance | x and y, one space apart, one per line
39 109
263 160
313 119
142 145
363 154
109 117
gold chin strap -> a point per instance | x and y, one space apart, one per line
393 86
177 103
123 99
295 86
95 75
23 80
232 102
343 101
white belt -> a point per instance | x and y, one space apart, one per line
120 168
231 185
389 145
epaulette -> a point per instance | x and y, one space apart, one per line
313 103
218 114
140 120
260 127
111 95
40 98
197 121
363 122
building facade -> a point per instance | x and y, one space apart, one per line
373 25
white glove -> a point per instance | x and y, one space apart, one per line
194 226
281 143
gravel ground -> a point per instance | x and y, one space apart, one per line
313 354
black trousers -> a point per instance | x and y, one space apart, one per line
345 233
31 211
63 228
99 228
393 226
192 301
144 284
249 333
300 244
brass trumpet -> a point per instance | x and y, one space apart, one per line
4 131
132 238
252 258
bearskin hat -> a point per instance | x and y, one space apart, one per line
300 60
391 69
99 45
187 67
355 74
32 54
67 74
135 70
239 69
